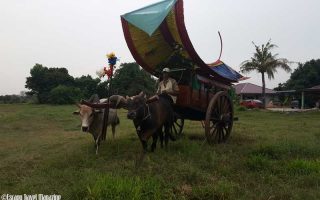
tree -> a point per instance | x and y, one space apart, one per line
103 89
305 76
87 85
266 63
43 80
129 79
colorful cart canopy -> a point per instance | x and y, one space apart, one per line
153 33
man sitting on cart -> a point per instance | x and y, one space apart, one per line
168 87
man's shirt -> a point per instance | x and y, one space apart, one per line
170 85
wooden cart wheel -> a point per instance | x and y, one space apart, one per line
177 126
219 118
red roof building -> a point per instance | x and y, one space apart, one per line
249 88
252 91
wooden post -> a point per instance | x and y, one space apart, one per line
302 100
105 121
106 113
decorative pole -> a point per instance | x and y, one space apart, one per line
112 61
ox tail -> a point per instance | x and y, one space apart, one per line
117 122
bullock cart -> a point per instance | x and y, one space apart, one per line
157 37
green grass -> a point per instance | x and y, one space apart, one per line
268 156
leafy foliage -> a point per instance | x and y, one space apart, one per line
87 85
15 99
64 95
56 86
305 76
102 89
43 80
129 79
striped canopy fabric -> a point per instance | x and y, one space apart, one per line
224 70
152 34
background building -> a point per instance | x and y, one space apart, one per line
252 91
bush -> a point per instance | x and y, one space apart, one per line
64 95
242 108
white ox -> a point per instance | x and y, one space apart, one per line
92 119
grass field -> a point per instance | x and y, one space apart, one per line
268 156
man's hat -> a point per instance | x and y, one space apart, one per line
166 70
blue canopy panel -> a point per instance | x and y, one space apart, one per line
225 71
149 18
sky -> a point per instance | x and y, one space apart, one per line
78 34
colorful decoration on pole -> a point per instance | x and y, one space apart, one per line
112 61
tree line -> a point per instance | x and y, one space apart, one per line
306 75
14 98
57 86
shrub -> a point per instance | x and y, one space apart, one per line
242 108
64 95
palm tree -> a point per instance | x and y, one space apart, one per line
266 63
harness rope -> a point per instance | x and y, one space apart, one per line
138 129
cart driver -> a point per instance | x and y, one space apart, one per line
168 87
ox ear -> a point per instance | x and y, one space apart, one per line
76 112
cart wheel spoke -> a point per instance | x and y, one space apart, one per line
177 126
226 133
175 130
220 135
215 135
213 127
219 118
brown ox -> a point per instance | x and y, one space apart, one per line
148 117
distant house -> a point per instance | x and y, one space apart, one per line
314 89
312 94
252 91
